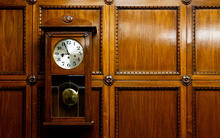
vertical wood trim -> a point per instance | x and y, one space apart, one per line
183 112
36 36
105 60
112 39
112 68
189 41
28 39
183 38
112 113
189 111
106 112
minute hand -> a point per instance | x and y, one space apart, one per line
67 49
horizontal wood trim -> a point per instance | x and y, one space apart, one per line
140 84
145 77
208 84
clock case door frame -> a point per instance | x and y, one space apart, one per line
68 33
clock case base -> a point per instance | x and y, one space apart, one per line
84 35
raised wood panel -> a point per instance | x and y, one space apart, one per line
91 14
147 40
12 37
12 113
147 112
206 110
206 40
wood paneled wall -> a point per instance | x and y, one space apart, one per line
147 46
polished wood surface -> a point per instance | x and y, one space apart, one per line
206 111
139 109
12 113
136 51
147 46
12 59
206 41
15 67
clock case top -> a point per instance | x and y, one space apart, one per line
82 34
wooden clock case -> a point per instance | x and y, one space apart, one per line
54 34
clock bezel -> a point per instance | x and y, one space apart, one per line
83 38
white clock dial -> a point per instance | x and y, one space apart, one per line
68 53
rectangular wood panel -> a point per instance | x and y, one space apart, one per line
92 15
12 59
147 112
206 112
147 40
206 40
12 113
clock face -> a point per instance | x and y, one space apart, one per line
68 53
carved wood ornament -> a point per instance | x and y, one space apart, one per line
108 80
68 19
31 79
108 2
31 1
186 80
186 2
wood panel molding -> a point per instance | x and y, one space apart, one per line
194 29
117 71
46 7
118 89
23 8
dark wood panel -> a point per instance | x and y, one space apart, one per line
12 113
206 112
91 14
146 113
147 40
12 41
206 40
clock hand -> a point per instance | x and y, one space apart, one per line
66 49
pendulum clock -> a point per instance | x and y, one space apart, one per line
67 76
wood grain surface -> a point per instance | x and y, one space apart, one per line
147 46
